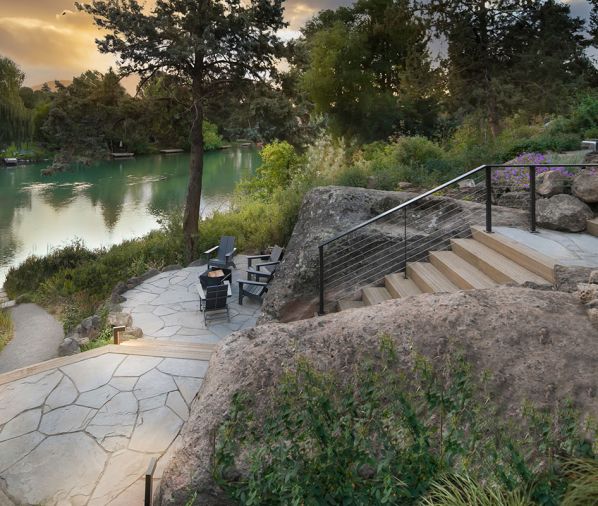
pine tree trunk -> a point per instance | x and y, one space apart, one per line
192 203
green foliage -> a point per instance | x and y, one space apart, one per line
104 339
211 137
377 434
17 122
583 482
6 328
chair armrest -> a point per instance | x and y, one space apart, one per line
231 254
266 264
251 258
210 251
258 273
254 283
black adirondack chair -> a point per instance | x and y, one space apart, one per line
216 299
272 260
259 278
225 253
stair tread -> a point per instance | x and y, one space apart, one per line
429 279
459 271
374 295
350 304
399 287
528 258
497 266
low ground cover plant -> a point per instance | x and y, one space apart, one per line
6 328
430 435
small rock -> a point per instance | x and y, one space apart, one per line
120 288
550 183
68 347
133 282
587 292
116 298
174 267
594 277
119 320
563 212
466 183
585 187
132 333
404 185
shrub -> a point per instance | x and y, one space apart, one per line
6 328
211 138
375 435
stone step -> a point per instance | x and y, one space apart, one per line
399 287
496 266
460 272
374 295
350 304
593 227
528 258
172 345
429 279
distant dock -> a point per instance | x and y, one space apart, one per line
10 162
171 151
120 156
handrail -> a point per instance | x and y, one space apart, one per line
447 184
488 190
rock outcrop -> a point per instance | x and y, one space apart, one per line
539 346
563 212
550 183
330 210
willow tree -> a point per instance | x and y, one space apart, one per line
206 44
15 120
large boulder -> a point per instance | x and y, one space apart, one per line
539 346
585 187
563 212
330 210
550 183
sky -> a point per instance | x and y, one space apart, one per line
50 40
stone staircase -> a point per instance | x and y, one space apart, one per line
482 261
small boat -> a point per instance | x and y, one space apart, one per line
11 162
123 155
171 151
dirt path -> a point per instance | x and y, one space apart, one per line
36 338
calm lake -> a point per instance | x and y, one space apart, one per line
107 202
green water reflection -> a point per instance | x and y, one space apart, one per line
106 203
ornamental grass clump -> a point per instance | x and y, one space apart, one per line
378 433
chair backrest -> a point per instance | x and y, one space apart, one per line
216 297
227 244
276 255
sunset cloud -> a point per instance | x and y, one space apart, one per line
50 40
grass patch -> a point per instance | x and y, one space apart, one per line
6 328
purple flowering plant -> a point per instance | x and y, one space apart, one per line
518 177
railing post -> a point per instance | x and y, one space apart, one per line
489 200
321 310
405 242
149 483
116 334
532 198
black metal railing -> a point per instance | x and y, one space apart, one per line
406 233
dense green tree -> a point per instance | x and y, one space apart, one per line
369 69
208 44
505 56
15 120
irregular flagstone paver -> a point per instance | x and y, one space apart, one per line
51 474
154 383
133 495
66 419
15 449
98 397
155 430
27 393
124 469
65 393
22 424
148 322
124 384
91 374
188 388
116 419
136 366
176 402
152 402
182 367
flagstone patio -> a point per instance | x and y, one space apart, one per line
83 429
166 307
